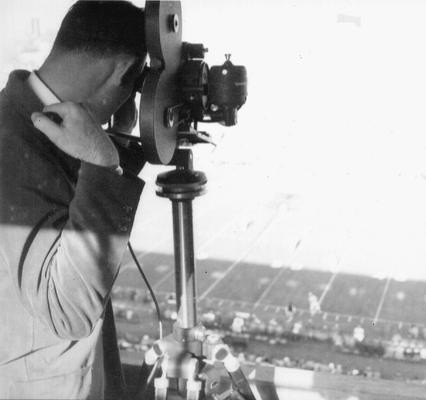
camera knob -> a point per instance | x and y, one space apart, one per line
174 23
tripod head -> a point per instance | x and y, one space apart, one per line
179 89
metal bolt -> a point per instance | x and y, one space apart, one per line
174 23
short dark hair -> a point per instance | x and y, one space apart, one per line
103 28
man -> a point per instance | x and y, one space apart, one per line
68 200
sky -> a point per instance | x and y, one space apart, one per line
335 115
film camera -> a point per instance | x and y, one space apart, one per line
178 91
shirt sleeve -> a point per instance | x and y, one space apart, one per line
63 246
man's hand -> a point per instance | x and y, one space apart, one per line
79 135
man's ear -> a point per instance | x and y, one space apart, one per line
124 67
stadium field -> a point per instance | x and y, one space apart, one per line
341 297
354 295
245 282
294 286
405 301
155 266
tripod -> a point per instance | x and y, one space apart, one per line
178 91
193 363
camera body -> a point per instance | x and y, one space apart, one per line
210 95
179 89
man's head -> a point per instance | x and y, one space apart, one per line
98 53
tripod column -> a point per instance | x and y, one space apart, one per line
181 186
183 236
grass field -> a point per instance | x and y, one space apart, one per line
354 295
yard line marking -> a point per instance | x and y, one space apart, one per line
268 289
163 279
327 288
330 282
296 249
235 263
382 300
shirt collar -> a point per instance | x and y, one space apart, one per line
43 92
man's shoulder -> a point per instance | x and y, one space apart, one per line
12 119
16 133
9 115
16 128
17 102
22 146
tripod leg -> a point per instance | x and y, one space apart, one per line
233 367
193 385
241 384
149 368
193 390
161 384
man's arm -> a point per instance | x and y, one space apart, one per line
80 268
64 253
